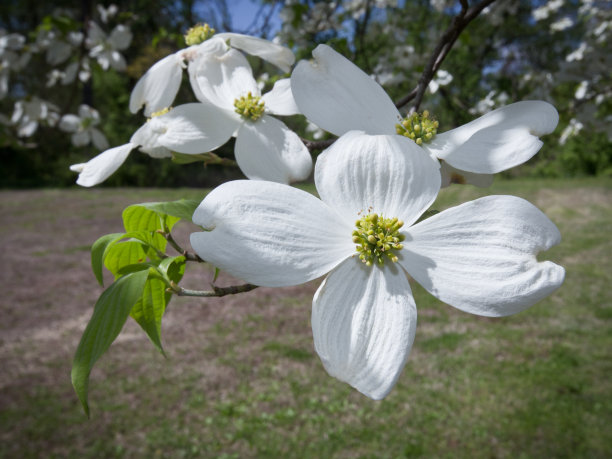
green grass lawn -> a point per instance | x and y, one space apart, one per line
242 378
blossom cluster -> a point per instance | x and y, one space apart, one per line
365 232
68 48
229 104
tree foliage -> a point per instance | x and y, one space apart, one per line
515 50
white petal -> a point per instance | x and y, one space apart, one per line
117 61
18 111
390 174
120 37
27 128
279 101
75 38
268 150
363 325
270 234
70 123
104 60
80 139
70 73
156 151
338 96
85 111
58 52
98 139
12 41
94 34
480 256
147 135
498 140
194 55
194 128
157 88
222 76
278 55
99 168
453 175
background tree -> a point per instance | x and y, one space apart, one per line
515 50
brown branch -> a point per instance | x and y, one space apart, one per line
317 144
360 30
443 47
215 292
188 256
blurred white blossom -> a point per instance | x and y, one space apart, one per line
561 24
105 49
28 114
442 78
581 90
573 128
83 128
547 9
107 13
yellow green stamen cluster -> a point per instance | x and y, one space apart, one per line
377 238
198 34
418 127
161 112
249 106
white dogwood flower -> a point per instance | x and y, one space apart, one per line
149 139
28 114
337 96
479 257
107 13
158 87
105 49
83 128
265 149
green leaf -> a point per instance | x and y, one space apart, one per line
139 218
150 308
123 254
104 245
177 270
98 250
128 269
110 313
182 209
173 267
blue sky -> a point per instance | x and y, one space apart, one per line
243 13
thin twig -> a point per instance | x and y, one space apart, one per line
360 30
444 45
215 292
317 144
188 256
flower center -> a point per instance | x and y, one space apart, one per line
377 237
198 34
250 107
161 112
418 127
